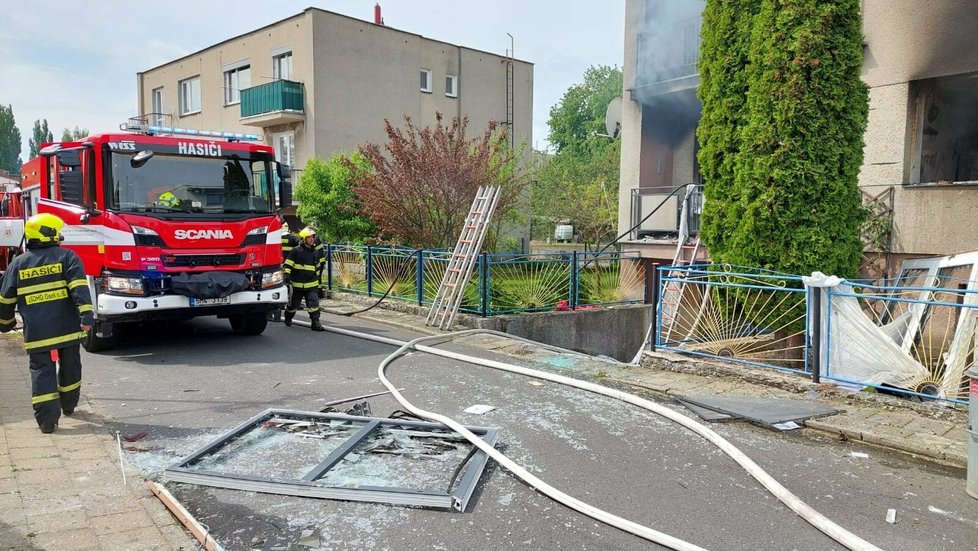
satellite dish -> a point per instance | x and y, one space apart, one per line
612 118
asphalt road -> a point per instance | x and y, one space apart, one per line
184 384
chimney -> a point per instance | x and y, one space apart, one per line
378 20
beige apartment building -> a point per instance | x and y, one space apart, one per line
921 154
319 83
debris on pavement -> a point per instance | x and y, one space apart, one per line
336 456
478 409
177 510
763 411
891 516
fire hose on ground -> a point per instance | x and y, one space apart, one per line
793 502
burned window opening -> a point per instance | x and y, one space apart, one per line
944 130
336 456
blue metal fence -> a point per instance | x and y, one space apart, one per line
743 315
500 283
912 340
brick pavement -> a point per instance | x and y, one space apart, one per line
65 490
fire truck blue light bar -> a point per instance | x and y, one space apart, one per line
202 133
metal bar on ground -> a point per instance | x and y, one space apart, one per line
336 455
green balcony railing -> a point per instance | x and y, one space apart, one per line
278 95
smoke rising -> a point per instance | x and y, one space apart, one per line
667 48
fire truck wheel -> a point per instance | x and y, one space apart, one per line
94 343
249 324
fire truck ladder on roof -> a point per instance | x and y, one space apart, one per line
687 251
462 261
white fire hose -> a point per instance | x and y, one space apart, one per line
805 511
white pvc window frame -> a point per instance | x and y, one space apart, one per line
425 80
190 96
451 86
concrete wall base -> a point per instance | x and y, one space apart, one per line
614 331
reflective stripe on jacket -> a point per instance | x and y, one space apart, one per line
304 267
289 242
49 288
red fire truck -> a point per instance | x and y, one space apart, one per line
170 224
11 221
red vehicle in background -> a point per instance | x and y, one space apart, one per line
11 220
169 223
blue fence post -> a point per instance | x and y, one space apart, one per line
484 280
573 280
370 270
815 331
658 307
419 277
652 297
329 266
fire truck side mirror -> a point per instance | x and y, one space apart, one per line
49 150
71 186
285 185
139 159
69 157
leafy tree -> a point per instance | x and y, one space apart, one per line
586 162
70 135
9 141
326 198
798 153
41 135
424 179
578 117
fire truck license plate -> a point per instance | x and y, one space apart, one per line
209 301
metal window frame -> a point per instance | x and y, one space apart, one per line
457 499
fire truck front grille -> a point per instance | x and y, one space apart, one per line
194 260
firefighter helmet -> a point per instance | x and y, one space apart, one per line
43 228
307 232
167 199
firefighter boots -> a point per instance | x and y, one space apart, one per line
316 326
288 318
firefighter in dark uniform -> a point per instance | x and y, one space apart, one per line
48 286
303 272
289 240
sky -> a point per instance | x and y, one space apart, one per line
74 63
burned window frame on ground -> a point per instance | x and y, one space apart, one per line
458 498
943 109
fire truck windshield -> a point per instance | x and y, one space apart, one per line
183 184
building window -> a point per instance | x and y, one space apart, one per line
282 66
944 140
236 80
156 119
284 144
190 96
451 86
426 80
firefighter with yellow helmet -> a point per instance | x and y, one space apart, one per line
47 285
303 272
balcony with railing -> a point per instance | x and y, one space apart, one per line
666 58
658 212
277 102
